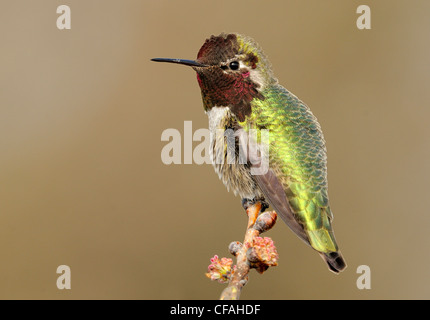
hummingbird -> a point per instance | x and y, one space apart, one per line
240 92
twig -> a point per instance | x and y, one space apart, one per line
256 252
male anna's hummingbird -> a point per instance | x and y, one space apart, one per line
240 91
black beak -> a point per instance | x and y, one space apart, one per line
191 63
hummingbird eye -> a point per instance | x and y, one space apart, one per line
234 65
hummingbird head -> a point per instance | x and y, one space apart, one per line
232 70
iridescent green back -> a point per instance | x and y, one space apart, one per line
298 156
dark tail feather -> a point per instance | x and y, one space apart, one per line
334 260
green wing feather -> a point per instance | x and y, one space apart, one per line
298 157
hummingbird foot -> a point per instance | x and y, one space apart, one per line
246 203
253 208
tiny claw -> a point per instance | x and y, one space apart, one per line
246 203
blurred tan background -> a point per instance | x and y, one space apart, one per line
81 177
